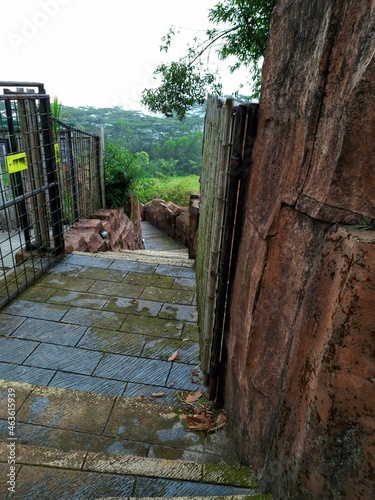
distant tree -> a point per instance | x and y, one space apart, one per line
121 171
242 31
138 130
156 137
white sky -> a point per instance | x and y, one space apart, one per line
97 53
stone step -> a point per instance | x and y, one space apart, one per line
182 253
64 437
221 476
228 497
46 473
166 257
80 420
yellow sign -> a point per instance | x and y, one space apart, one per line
16 162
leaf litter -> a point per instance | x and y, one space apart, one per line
201 416
174 356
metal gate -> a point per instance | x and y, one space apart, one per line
31 229
230 132
78 156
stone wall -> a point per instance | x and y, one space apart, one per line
180 223
123 233
301 369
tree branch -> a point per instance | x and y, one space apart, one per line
211 42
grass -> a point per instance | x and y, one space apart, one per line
175 189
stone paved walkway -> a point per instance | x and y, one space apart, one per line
86 349
104 325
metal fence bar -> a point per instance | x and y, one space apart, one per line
30 243
79 172
52 177
49 178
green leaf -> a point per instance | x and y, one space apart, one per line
241 32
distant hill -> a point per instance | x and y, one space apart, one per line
138 130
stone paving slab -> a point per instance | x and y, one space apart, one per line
131 465
165 488
21 373
90 455
150 467
117 289
88 383
15 350
135 267
173 295
70 440
31 309
178 272
147 280
38 293
128 368
22 391
100 319
61 357
62 478
160 348
171 258
87 300
158 327
111 275
180 312
62 282
112 341
108 424
50 332
66 409
221 497
8 323
36 483
90 331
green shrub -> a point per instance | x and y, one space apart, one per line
121 171
175 189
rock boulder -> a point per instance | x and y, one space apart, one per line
301 365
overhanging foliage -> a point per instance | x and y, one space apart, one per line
241 32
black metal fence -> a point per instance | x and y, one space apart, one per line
78 157
49 178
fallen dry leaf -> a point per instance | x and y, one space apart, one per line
200 422
205 422
220 421
174 356
195 376
192 397
178 327
158 394
141 396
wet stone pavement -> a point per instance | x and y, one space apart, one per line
107 326
103 325
85 352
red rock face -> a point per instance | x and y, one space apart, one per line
301 369
180 223
123 234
